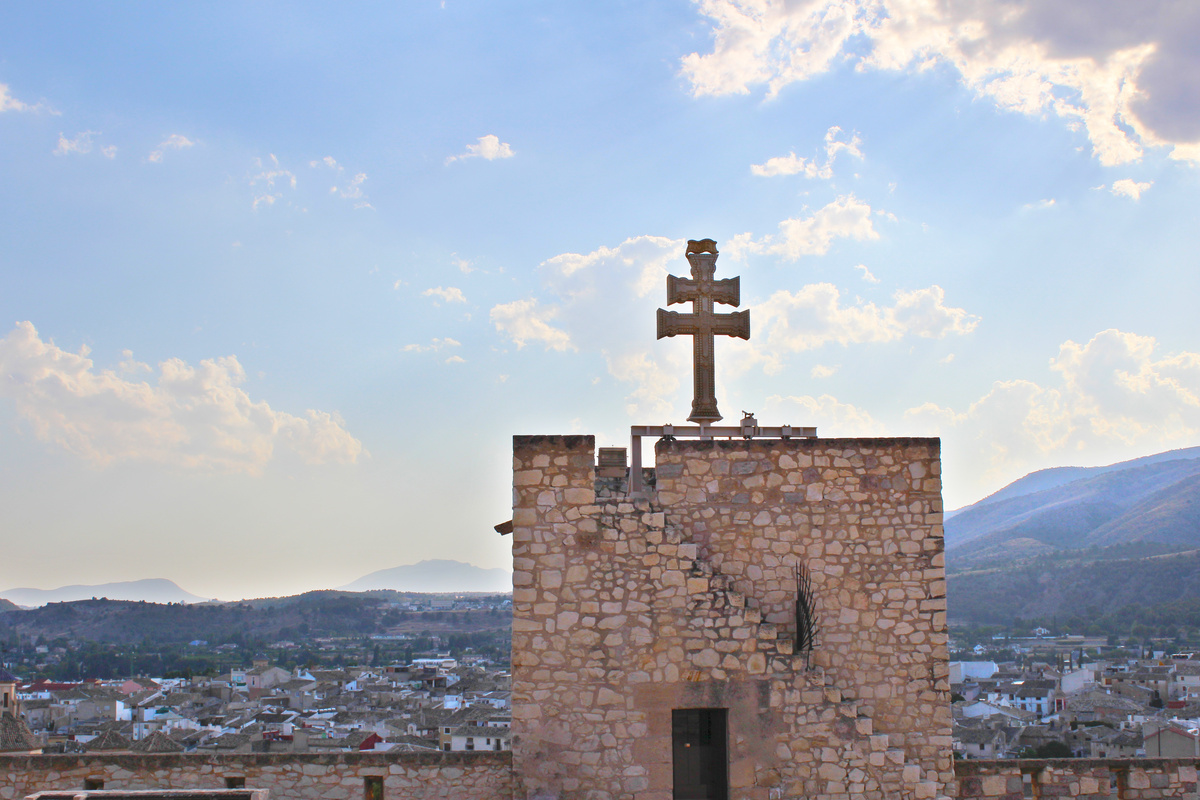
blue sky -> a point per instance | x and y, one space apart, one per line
280 281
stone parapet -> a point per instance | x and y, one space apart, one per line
294 776
1083 778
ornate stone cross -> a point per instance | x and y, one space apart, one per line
702 324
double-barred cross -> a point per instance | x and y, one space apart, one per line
702 324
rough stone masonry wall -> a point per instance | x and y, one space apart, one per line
626 608
288 776
1081 778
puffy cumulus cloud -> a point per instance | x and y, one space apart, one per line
639 265
175 141
1130 188
488 147
193 417
822 371
1125 72
831 416
653 386
82 144
524 321
603 302
815 316
10 103
1114 393
448 294
791 164
844 218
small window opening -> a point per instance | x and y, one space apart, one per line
93 783
235 783
373 787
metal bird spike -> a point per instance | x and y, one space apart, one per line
806 617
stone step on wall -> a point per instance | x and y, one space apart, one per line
885 757
874 765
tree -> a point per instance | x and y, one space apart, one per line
1053 750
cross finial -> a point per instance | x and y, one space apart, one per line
702 324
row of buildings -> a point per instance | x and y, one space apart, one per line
430 704
1098 710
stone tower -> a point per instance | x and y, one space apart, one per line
654 634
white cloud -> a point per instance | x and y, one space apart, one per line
1123 71
1130 188
10 103
81 145
844 218
602 303
456 360
448 294
640 262
464 265
815 316
784 165
353 189
489 147
434 345
189 417
822 371
175 141
791 164
523 321
606 301
264 182
866 274
653 385
1113 393
830 416
1040 205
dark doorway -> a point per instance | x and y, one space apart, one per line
699 754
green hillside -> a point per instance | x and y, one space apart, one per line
1098 591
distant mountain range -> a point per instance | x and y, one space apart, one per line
152 590
1082 544
1151 499
435 575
